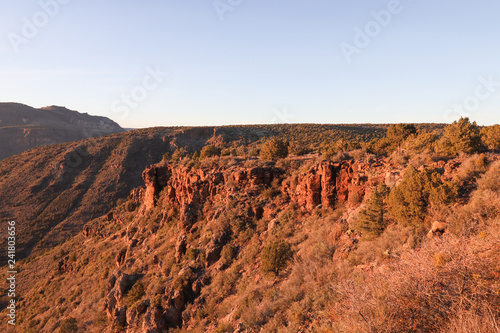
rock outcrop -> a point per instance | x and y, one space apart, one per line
328 183
155 178
324 184
115 306
189 189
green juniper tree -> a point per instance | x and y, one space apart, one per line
274 149
410 200
209 151
276 256
491 137
372 220
398 133
461 136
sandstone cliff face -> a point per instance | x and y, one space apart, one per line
325 183
329 184
314 187
200 196
190 189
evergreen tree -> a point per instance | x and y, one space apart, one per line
372 220
196 160
209 151
461 136
491 137
273 149
178 154
409 201
276 256
398 133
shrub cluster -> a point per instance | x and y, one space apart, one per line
136 293
276 256
274 149
69 325
461 136
210 151
409 201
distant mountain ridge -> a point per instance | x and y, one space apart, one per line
23 127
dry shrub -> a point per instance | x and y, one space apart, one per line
308 290
473 166
229 253
341 156
69 325
208 162
485 204
288 222
491 179
472 322
360 154
224 327
291 302
355 199
483 208
257 314
416 295
288 164
130 206
400 158
136 293
390 244
420 159
251 163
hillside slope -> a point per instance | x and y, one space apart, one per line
241 245
52 191
23 127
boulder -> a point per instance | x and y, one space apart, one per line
120 257
154 321
437 228
214 247
118 285
180 247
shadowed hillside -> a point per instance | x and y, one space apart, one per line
23 127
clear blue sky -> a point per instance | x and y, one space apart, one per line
265 61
